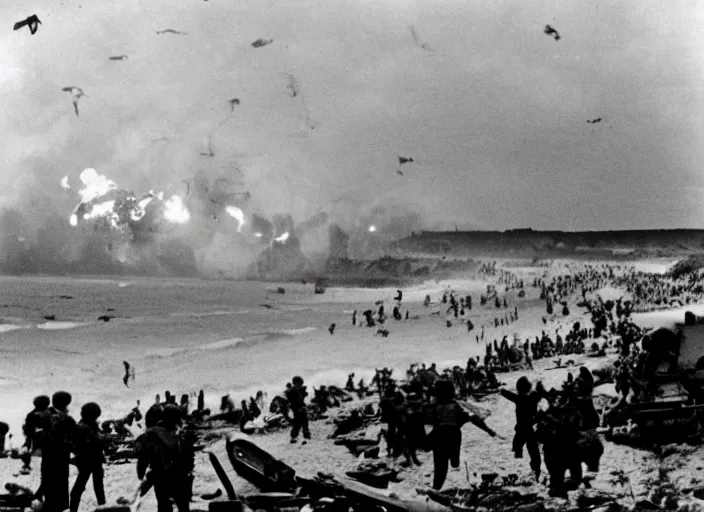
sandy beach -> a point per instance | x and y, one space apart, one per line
188 335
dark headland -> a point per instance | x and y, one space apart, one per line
448 254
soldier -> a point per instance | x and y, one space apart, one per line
56 452
88 447
296 396
526 409
446 437
33 428
165 451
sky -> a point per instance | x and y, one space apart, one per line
493 111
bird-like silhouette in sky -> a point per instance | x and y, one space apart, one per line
417 40
597 120
171 31
262 42
32 22
402 160
77 94
552 32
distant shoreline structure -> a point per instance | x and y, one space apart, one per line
530 243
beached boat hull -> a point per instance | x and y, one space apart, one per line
258 466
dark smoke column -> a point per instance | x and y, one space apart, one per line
339 241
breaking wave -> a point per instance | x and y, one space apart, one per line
203 314
231 342
11 327
56 326
221 344
291 332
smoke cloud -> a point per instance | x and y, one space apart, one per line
492 111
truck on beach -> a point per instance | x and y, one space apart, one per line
669 387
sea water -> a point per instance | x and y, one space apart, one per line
184 335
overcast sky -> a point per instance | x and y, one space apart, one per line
494 116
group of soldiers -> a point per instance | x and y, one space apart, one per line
165 453
566 429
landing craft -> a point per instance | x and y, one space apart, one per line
673 387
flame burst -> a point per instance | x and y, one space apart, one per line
101 198
95 185
372 229
238 215
282 238
175 211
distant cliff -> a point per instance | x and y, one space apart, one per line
528 243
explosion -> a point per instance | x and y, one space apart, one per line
372 228
282 238
102 199
174 211
96 185
237 214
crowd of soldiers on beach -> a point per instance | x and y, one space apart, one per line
566 430
165 452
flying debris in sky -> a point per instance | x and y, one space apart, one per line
296 92
417 40
402 160
129 373
552 32
597 120
210 148
262 42
118 57
64 183
292 85
77 94
32 22
233 103
171 31
160 139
